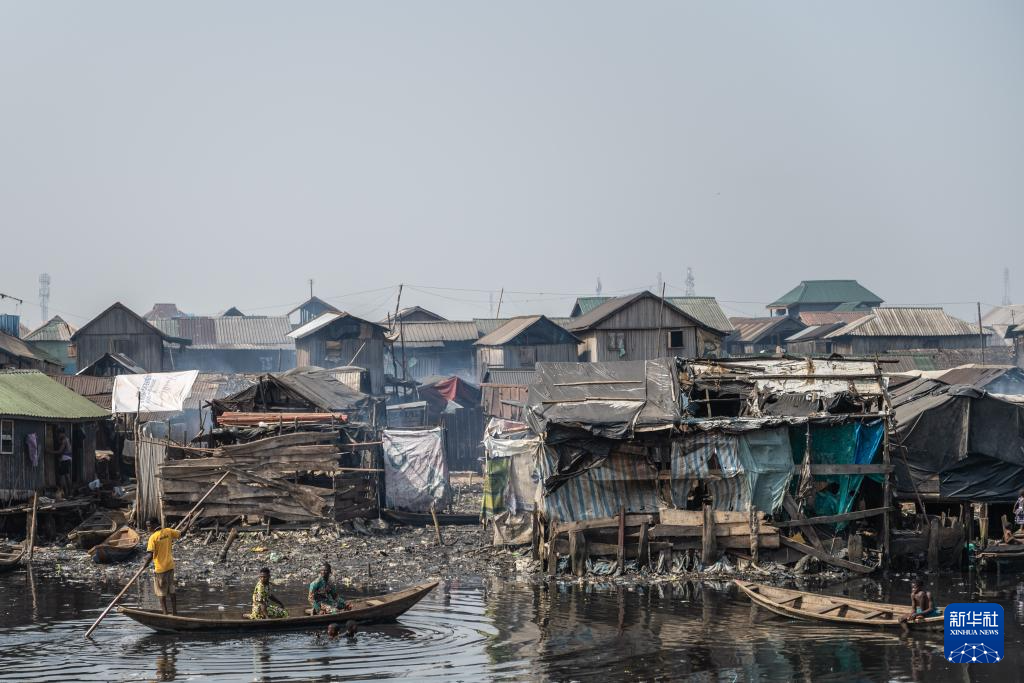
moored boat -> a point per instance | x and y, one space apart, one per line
374 610
117 547
426 519
10 559
832 608
93 530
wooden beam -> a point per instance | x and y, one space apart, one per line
794 512
831 519
825 557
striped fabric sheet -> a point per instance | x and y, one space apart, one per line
695 455
622 481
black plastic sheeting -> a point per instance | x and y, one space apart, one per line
609 400
971 443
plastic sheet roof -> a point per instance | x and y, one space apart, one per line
612 400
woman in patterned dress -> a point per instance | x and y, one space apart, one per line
264 604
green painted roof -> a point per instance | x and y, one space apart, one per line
827 292
31 394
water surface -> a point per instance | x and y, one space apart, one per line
496 630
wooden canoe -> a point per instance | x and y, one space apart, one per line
93 531
380 609
10 559
425 519
832 608
117 547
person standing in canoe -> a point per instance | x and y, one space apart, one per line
264 604
324 597
159 552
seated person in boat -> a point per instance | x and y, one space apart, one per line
323 594
921 601
264 604
159 553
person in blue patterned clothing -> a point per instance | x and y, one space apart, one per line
323 594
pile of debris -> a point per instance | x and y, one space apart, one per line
262 479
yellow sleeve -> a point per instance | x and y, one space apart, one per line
151 544
172 533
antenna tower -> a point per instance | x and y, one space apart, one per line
44 296
691 283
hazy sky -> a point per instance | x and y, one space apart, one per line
222 153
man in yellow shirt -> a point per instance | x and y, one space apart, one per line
159 549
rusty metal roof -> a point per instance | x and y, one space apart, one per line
754 329
906 322
830 317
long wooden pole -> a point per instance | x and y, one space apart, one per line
32 532
145 565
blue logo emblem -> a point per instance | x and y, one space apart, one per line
974 632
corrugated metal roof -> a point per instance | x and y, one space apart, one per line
437 331
165 311
54 330
315 301
753 329
519 378
978 376
704 309
828 292
325 319
29 393
945 359
614 305
814 332
906 322
130 366
831 317
231 332
826 376
20 349
96 389
517 326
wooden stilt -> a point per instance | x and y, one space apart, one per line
755 529
709 546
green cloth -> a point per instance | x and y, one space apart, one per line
496 476
853 443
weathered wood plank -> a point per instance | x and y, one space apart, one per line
826 557
831 519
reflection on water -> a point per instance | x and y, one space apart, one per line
495 630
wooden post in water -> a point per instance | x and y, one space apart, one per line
620 555
887 500
643 549
708 543
552 556
983 526
934 534
755 530
32 527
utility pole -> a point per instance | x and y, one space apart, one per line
310 288
981 335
